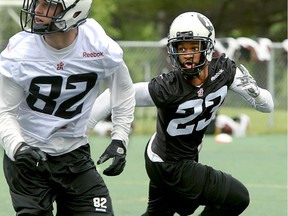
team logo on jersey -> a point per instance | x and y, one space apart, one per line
217 75
60 66
200 92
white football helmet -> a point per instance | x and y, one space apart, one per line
191 26
74 13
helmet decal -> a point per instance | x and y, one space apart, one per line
206 23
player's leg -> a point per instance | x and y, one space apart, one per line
83 191
170 187
201 184
86 195
29 189
235 201
185 206
160 202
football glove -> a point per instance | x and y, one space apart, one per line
117 151
248 83
29 157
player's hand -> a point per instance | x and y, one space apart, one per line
117 151
248 83
29 157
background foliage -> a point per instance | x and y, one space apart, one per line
150 19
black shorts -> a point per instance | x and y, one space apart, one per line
181 187
70 179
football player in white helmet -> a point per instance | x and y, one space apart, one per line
60 16
197 29
187 99
48 84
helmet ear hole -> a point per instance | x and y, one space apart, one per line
76 14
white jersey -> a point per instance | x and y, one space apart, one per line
60 86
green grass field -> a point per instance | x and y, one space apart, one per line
259 161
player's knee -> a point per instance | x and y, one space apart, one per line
244 201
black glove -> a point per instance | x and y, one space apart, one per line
29 157
117 151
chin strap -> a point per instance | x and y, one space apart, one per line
196 73
189 76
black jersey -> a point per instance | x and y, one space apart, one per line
184 111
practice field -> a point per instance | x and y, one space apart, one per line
260 162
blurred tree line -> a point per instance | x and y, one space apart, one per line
150 19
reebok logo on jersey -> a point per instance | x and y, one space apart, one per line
92 54
217 75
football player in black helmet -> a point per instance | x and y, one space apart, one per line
187 99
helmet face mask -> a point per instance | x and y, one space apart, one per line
195 28
63 15
29 20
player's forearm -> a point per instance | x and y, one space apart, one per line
10 132
264 101
100 111
122 101
123 115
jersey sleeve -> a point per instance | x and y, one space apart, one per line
100 111
8 65
10 98
142 95
122 102
113 57
11 95
102 108
101 41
